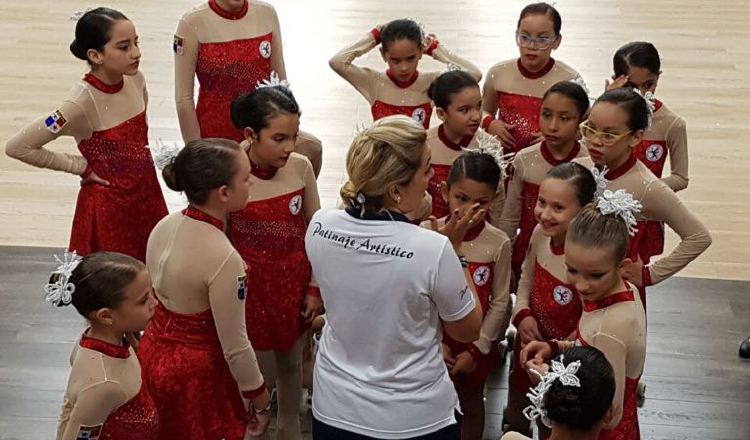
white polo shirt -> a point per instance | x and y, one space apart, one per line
385 284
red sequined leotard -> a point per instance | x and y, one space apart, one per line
109 125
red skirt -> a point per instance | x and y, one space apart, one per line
184 369
118 217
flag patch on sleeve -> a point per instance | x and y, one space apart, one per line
177 45
55 122
241 287
89 432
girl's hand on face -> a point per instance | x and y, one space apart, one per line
501 130
616 83
461 221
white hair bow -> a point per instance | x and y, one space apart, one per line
273 81
60 293
579 80
565 374
600 180
491 145
76 15
650 104
164 154
621 204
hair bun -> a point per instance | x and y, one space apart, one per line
170 177
78 51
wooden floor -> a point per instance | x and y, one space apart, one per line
697 388
705 48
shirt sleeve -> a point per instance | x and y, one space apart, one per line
28 145
185 61
495 321
526 283
450 293
511 215
93 405
360 77
312 198
447 57
664 205
277 49
495 211
678 156
616 353
228 309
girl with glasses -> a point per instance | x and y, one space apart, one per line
615 127
514 88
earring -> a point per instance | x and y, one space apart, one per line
398 200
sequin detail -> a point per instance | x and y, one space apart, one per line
522 112
271 240
118 217
137 419
190 382
439 207
420 113
226 70
485 364
556 321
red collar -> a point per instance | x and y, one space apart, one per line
550 158
556 250
622 169
228 15
197 214
657 105
101 86
463 143
402 84
111 350
473 232
603 303
535 75
263 174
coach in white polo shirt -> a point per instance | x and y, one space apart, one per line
388 286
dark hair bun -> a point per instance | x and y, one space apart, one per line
170 178
78 51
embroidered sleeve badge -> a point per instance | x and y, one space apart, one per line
55 122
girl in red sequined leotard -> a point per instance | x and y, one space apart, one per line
458 104
230 46
638 65
513 89
564 106
402 89
106 398
269 234
473 179
120 200
548 306
613 318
